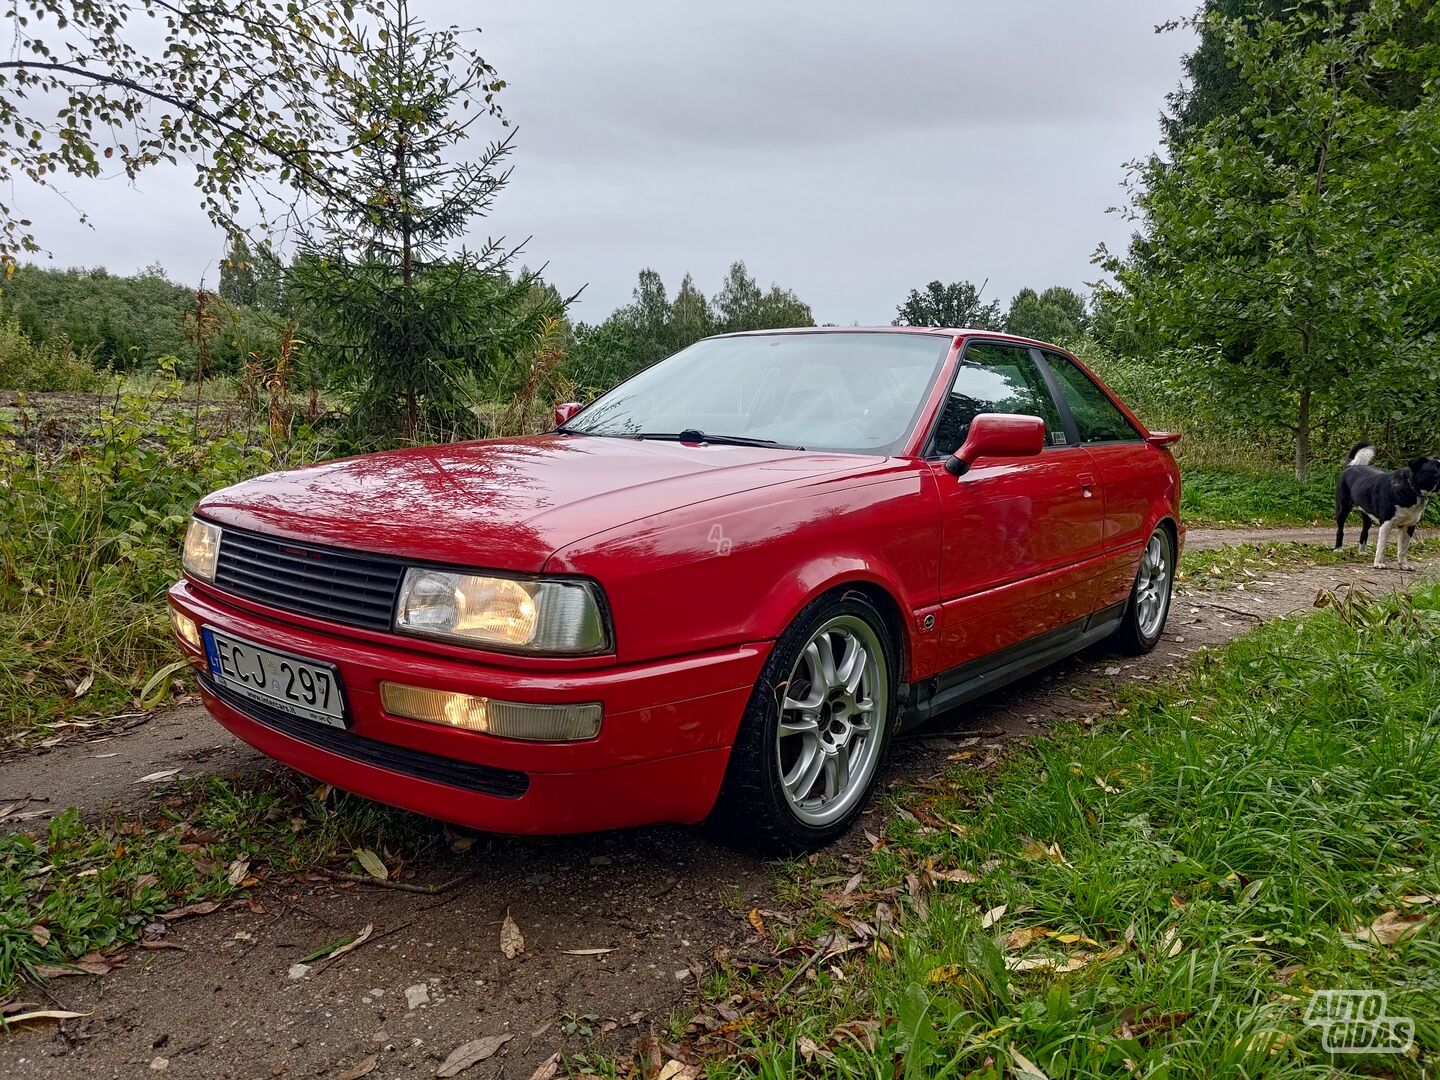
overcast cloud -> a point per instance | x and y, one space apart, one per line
848 150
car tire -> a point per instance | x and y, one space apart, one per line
814 734
1143 623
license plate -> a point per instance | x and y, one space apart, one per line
302 688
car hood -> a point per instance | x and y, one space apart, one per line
505 504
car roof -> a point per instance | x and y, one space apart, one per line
934 331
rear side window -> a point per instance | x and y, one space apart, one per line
995 379
1096 416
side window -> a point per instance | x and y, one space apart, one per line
996 379
1096 416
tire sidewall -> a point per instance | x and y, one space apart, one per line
1132 612
763 717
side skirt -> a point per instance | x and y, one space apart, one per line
978 677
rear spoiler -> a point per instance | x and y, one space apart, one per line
1163 438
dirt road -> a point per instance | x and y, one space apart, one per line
432 976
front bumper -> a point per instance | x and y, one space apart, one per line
660 755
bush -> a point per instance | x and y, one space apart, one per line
52 366
91 520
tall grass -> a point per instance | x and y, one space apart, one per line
92 509
1165 890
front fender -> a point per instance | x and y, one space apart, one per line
740 569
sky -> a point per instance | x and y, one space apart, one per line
849 150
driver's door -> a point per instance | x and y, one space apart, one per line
1021 536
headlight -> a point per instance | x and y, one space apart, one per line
202 549
506 613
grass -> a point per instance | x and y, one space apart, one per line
1225 496
1159 894
86 890
95 493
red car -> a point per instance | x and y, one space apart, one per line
716 592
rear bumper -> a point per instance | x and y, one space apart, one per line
660 755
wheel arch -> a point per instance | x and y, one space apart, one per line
880 590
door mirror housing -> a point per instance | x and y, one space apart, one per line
564 413
998 435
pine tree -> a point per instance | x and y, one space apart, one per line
407 319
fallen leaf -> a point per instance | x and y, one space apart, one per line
471 1053
92 963
41 934
1107 788
512 943
87 682
991 917
962 877
364 1068
150 943
43 1014
158 685
358 940
1073 962
586 952
1390 927
372 864
548 1068
1419 900
757 921
1171 943
1035 850
156 777
678 1070
238 869
204 907
1019 939
1022 1068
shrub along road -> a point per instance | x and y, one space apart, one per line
620 931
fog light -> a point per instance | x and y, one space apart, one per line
185 629
508 719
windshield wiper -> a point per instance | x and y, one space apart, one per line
697 436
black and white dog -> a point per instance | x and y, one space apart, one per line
1392 500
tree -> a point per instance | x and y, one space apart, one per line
1057 315
410 324
737 304
690 315
954 305
237 273
649 328
252 93
1287 252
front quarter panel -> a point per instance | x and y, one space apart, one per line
739 569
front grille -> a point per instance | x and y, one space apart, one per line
341 586
486 779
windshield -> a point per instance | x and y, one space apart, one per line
855 393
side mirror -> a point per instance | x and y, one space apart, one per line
998 435
564 413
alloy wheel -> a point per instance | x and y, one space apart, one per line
832 720
1152 586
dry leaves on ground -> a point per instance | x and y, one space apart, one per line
994 915
512 943
362 1068
372 864
43 1014
92 963
471 1053
1388 928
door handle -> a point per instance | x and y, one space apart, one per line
1087 485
